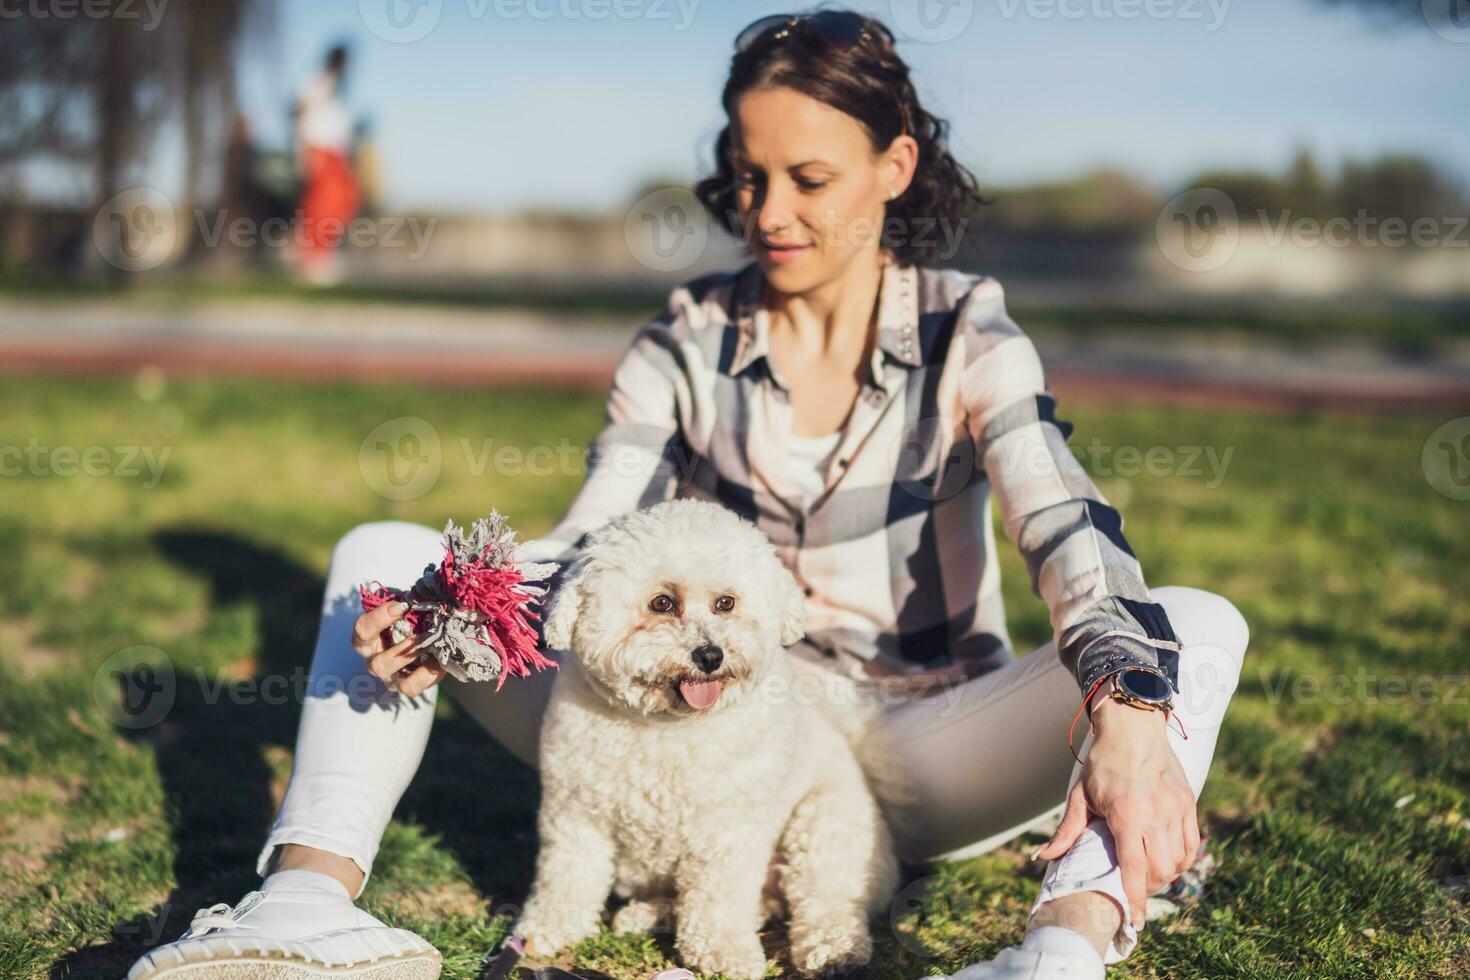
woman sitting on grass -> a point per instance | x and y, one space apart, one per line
860 405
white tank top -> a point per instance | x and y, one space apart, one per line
808 463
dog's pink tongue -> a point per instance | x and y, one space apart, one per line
700 694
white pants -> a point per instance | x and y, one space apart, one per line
988 756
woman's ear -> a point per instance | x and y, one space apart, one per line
793 610
561 613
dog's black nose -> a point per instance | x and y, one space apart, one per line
708 658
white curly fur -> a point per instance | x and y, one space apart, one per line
716 815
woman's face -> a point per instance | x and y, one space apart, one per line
809 187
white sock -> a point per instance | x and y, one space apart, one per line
301 880
1061 941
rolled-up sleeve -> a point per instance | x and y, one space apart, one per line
1070 537
638 457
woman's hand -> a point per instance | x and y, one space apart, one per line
397 666
1133 780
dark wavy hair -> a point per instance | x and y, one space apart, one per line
869 82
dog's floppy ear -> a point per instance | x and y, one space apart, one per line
793 609
561 613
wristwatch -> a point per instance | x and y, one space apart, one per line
1140 688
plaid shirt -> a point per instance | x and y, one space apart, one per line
897 555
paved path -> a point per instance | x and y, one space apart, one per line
459 346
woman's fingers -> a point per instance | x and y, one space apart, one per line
1191 834
1133 864
420 679
386 663
1163 853
367 631
1187 853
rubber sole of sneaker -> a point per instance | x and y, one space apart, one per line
265 966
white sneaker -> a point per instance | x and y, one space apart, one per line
1016 963
289 935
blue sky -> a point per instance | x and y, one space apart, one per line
505 104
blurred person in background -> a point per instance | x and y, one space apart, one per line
330 194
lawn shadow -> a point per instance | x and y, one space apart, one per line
212 745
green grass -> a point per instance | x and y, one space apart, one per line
1339 822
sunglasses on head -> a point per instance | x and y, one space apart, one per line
835 27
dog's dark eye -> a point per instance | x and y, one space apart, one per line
662 604
725 603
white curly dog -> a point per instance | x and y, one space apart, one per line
680 771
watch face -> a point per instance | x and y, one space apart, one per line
1145 685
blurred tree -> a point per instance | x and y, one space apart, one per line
1393 185
1308 190
1398 186
1106 199
209 35
1253 193
92 91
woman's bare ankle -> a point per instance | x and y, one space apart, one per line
289 857
1093 915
